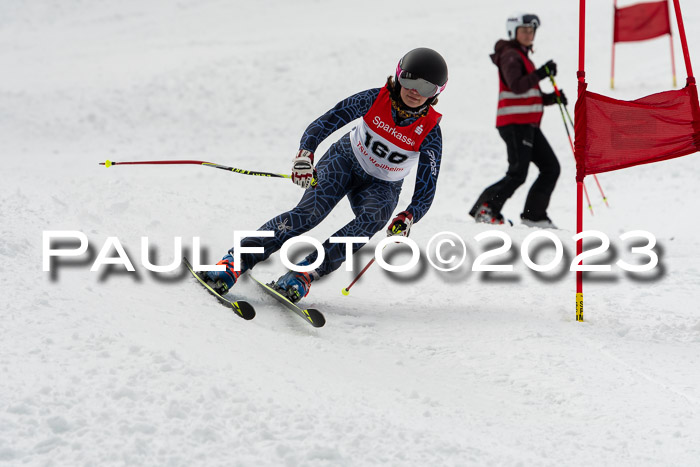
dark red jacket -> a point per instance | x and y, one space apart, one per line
520 99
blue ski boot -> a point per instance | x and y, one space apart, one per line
222 281
295 285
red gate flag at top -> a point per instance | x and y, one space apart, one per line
642 21
638 23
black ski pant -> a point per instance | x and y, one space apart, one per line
525 144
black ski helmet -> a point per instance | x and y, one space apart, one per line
425 63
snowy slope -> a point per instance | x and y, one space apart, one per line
458 368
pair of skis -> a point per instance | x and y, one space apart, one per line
246 311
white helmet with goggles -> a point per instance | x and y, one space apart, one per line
521 20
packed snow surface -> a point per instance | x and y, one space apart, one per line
416 368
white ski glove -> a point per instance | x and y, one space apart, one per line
303 168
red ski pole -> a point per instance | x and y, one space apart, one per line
346 290
109 163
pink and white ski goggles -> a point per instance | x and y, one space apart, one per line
424 88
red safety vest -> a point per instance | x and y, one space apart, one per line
384 149
522 109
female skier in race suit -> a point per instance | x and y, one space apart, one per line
397 131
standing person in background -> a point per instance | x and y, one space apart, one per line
398 130
520 105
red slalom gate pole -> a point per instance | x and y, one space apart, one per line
684 41
612 65
581 74
600 188
579 249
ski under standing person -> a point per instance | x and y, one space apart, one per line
399 129
520 106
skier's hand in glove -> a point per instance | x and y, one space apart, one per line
551 98
542 71
303 168
562 97
401 225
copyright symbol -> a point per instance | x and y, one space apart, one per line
437 242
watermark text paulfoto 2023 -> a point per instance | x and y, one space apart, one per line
445 251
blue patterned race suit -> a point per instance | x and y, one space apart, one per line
339 174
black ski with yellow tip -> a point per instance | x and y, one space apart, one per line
311 315
242 308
